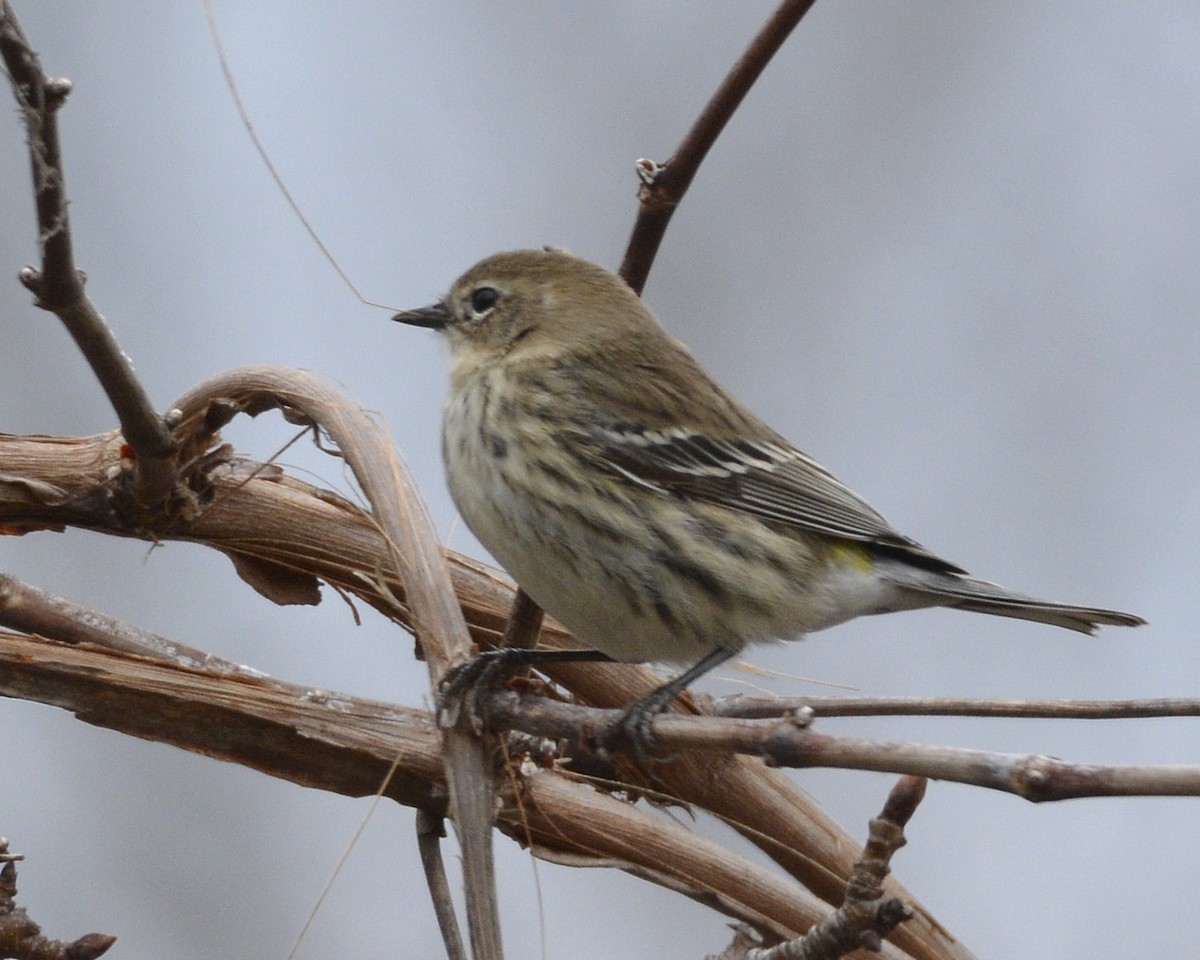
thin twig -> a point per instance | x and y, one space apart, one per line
523 627
867 915
59 285
663 185
431 828
761 708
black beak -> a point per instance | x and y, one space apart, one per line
435 316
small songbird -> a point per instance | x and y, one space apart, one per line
639 503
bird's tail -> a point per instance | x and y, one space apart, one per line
968 593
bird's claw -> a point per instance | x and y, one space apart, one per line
462 682
632 731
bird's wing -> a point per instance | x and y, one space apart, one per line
768 479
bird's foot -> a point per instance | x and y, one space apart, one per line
463 682
632 730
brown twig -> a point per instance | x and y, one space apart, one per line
431 829
524 626
759 708
316 738
663 185
867 915
781 743
59 284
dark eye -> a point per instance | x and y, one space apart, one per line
483 299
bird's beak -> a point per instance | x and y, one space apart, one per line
435 316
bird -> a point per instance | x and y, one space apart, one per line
641 504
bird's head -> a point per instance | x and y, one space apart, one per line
531 303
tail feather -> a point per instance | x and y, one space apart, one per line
981 596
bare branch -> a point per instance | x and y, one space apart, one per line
751 708
866 916
59 285
347 745
305 735
430 831
786 744
663 185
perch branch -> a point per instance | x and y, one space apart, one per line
782 743
757 708
326 740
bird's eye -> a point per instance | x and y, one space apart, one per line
483 299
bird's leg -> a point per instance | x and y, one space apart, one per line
633 726
483 668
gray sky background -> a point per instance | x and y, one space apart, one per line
950 249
